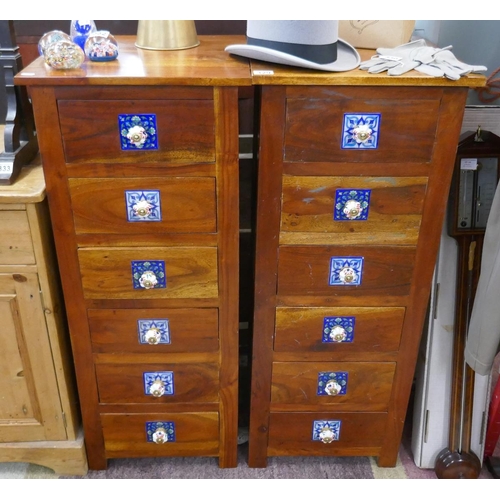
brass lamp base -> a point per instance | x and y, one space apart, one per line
166 35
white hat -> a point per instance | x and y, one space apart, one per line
307 44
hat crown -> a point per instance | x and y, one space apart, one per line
300 32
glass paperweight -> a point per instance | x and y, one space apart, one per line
101 46
64 55
80 30
49 38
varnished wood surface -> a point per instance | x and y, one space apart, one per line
291 434
300 329
184 129
190 330
206 64
289 75
29 186
123 383
295 386
387 272
405 134
187 205
196 434
107 272
395 275
394 211
16 245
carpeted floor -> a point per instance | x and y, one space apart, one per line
207 468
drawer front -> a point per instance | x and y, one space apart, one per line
149 273
326 433
345 125
16 246
161 434
158 383
138 131
339 329
348 271
148 205
355 386
353 209
154 330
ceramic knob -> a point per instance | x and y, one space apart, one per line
137 135
142 208
160 436
326 435
347 275
362 133
152 336
157 389
148 280
332 388
338 334
352 209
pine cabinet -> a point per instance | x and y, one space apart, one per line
39 414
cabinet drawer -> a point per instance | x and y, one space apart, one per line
172 130
339 329
355 386
361 125
302 433
351 272
16 246
125 273
148 205
154 330
352 209
140 435
157 383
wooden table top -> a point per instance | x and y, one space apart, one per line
208 64
288 75
205 65
29 187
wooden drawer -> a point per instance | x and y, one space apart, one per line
154 330
339 329
380 272
182 382
319 124
131 435
307 386
380 210
16 246
115 273
177 130
147 205
353 433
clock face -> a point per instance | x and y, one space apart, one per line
475 189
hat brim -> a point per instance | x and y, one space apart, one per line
347 57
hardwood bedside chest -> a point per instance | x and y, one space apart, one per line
141 160
354 172
39 413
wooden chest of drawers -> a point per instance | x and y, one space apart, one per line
354 171
141 160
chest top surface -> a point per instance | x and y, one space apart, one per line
275 74
205 65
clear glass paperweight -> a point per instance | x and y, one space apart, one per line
101 46
64 55
80 30
49 38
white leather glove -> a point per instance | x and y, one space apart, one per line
395 61
444 63
418 56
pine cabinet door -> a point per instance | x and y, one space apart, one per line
30 409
